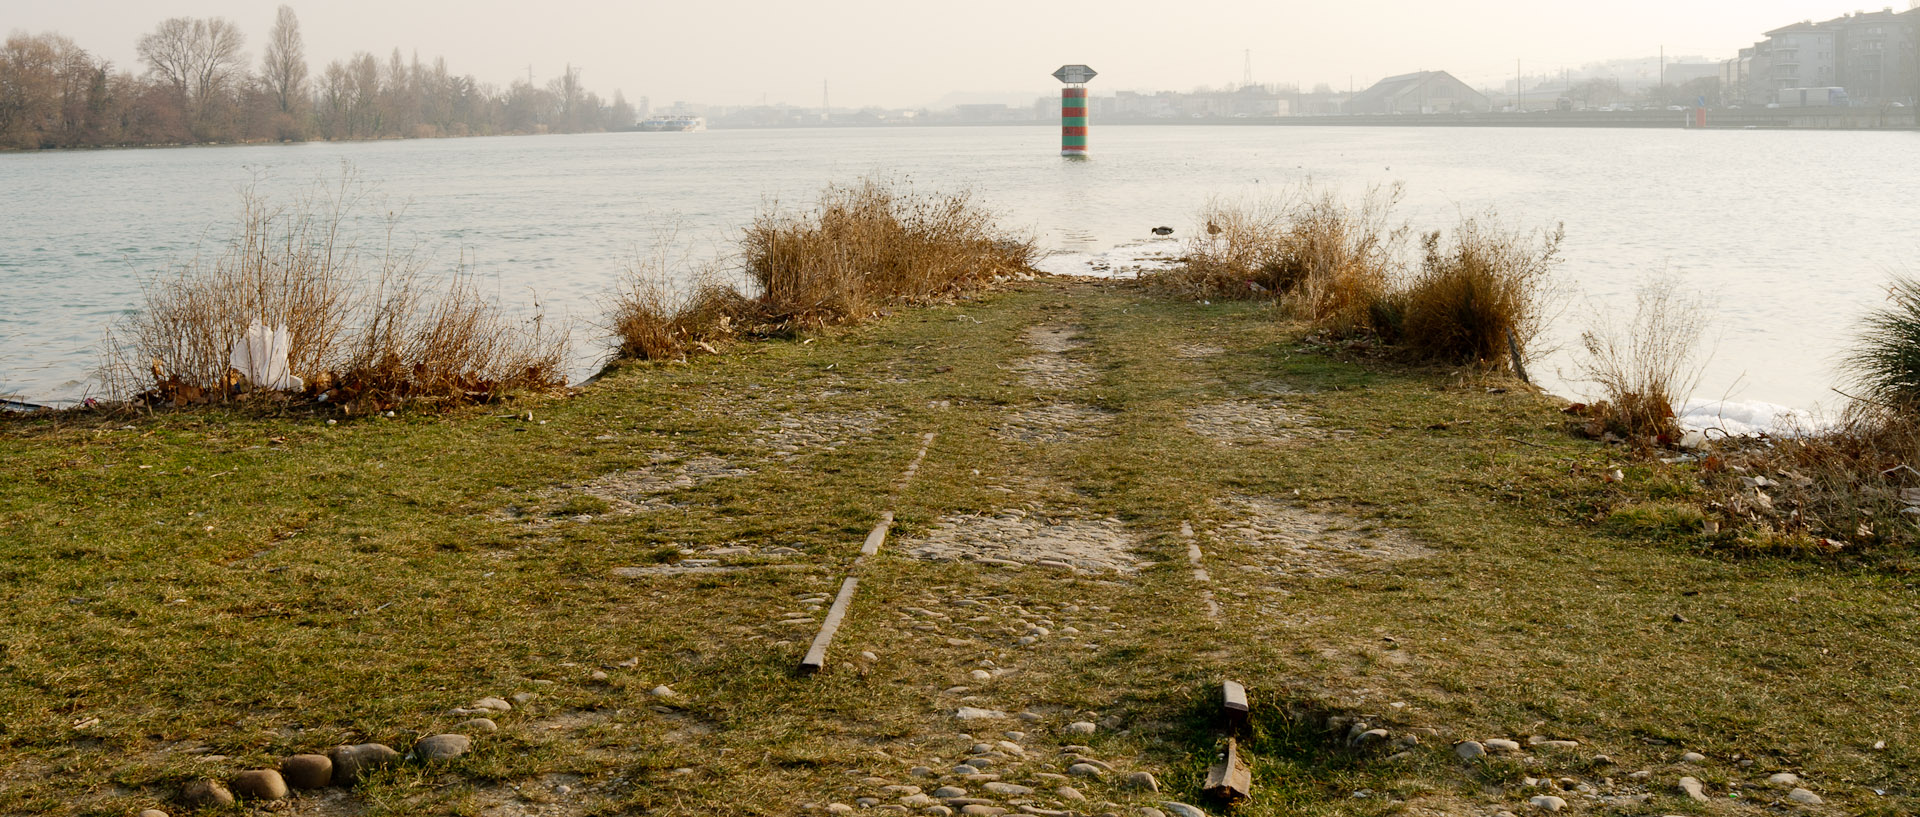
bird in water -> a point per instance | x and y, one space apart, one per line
1163 231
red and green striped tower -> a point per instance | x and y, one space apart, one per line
1073 109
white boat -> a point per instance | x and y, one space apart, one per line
687 124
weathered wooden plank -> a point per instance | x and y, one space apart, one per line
817 655
1230 780
879 535
1233 706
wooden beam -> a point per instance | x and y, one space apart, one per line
879 535
817 655
1230 780
1233 707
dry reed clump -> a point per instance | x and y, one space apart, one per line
871 245
1646 367
1331 262
668 306
1480 298
364 331
1885 366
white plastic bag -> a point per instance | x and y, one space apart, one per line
261 357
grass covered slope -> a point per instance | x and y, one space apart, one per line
1416 548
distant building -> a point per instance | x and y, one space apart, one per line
1418 92
1874 55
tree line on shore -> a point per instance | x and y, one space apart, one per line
200 86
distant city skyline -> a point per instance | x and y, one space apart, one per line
903 55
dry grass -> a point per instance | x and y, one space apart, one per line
670 304
1885 366
871 245
1333 263
1480 298
1647 366
1841 490
363 328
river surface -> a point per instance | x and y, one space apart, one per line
1791 236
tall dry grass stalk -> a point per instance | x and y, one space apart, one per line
371 327
1884 366
873 244
670 303
1648 365
1481 297
1332 263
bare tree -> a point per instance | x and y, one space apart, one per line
199 58
285 66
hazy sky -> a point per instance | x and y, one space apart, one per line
910 53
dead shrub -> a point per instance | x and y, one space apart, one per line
657 315
1333 264
1646 367
871 245
1481 297
361 326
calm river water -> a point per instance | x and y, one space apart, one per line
1792 235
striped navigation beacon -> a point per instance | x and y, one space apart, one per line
1073 109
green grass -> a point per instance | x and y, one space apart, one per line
273 584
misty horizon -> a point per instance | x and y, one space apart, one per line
840 55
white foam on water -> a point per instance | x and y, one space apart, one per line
1746 418
1124 261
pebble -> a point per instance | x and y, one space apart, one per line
1502 745
1031 716
1804 797
441 747
1692 788
1070 793
918 801
1083 770
867 802
1640 775
1010 747
204 793
901 790
1016 736
1693 757
494 704
598 677
1009 789
260 784
970 713
152 812
1469 749
949 792
1152 812
982 810
869 656
1602 760
839 808
1081 728
1142 781
920 771
980 675
1784 779
981 748
477 725
939 811
308 771
1547 802
349 762
664 691
524 698
1182 810
965 769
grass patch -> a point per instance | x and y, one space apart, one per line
277 584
